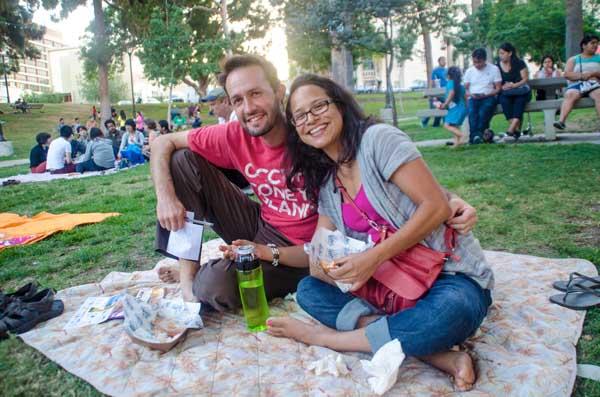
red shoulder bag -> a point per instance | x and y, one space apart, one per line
399 282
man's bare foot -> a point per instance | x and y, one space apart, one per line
187 292
288 327
458 365
169 273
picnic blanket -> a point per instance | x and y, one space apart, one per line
46 176
21 230
526 346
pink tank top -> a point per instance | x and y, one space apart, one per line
356 222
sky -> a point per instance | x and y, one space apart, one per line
73 28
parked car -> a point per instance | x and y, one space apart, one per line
418 85
151 100
175 98
124 102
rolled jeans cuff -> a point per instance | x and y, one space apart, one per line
378 333
348 317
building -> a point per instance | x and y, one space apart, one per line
34 74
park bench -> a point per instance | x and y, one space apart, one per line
548 106
28 106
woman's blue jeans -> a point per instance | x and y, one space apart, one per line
447 315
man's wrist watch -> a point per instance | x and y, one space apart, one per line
275 252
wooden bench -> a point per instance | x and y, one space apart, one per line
548 106
28 106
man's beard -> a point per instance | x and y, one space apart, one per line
276 115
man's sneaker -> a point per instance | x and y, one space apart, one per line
560 125
476 140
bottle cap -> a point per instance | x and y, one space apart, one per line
245 259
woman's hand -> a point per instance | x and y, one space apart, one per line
508 86
261 251
355 269
464 216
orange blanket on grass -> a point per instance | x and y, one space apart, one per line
21 230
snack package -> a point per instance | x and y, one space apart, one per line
161 325
327 246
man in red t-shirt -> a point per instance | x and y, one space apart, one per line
186 177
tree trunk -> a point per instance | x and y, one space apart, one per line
341 58
200 87
475 5
428 48
574 27
102 64
225 22
170 103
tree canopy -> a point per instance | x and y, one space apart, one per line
16 31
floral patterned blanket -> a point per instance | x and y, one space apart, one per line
525 347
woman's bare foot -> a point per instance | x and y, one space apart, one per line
288 327
168 273
458 365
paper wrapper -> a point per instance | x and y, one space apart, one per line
161 325
383 367
327 246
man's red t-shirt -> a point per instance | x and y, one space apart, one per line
228 146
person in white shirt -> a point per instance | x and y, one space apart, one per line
59 159
482 82
219 105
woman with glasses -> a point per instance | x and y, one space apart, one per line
362 172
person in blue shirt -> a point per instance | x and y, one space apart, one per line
438 79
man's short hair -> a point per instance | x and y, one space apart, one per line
42 138
95 133
66 131
151 124
479 53
109 121
242 61
81 127
586 39
440 58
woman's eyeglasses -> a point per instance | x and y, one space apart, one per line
318 108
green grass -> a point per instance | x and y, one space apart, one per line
534 199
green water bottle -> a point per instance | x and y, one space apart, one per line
252 289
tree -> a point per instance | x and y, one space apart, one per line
574 27
165 50
89 89
16 32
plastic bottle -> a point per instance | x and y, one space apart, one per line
252 290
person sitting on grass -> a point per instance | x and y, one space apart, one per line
343 154
59 159
114 134
79 141
151 129
131 144
583 71
38 154
99 154
456 103
164 127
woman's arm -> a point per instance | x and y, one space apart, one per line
524 78
416 181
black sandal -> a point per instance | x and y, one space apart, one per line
578 297
576 278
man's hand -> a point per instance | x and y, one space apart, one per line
464 216
170 213
261 251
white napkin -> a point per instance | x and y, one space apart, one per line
333 364
186 242
384 366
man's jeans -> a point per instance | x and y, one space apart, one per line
481 112
450 312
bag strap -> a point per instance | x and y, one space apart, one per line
449 235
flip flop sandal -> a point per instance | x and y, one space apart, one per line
578 297
25 292
577 278
26 316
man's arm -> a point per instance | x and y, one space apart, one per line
169 210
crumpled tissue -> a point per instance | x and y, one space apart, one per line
327 246
333 364
384 366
